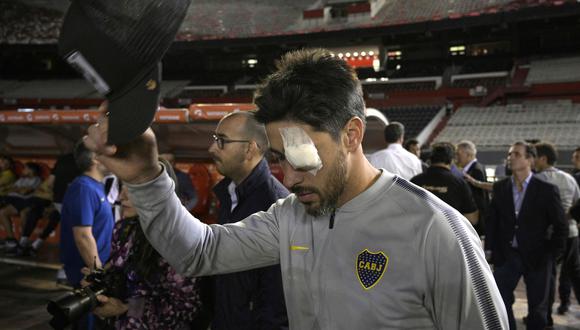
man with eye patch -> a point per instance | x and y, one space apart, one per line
358 247
251 299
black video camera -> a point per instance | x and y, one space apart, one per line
70 307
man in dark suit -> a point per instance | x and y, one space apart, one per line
251 299
518 241
466 153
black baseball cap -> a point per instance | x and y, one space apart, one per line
117 45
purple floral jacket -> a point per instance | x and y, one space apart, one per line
168 301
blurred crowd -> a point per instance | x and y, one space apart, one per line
21 24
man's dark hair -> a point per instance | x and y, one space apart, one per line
394 132
410 142
34 167
313 87
577 149
442 152
530 149
83 157
549 151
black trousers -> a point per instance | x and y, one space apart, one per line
537 281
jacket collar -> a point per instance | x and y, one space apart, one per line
259 175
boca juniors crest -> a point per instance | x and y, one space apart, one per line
370 267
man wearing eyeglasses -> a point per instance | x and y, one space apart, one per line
252 299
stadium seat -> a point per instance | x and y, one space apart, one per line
18 167
496 127
201 179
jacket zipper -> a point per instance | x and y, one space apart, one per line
331 221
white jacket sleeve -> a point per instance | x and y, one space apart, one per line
194 248
463 293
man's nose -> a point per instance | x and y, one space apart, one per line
212 147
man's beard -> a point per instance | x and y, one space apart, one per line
330 193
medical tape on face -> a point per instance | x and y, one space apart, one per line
299 150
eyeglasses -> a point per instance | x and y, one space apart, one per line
222 141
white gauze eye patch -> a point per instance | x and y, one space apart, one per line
299 150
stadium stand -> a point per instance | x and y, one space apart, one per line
202 91
211 19
382 88
554 70
227 19
496 127
244 91
30 25
480 81
485 64
414 118
74 88
69 89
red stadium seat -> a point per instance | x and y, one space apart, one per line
45 170
201 179
18 168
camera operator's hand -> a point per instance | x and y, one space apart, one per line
85 271
135 162
109 307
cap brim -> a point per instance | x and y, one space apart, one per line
132 111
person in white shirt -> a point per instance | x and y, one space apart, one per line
395 158
569 194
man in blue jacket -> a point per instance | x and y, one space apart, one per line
252 299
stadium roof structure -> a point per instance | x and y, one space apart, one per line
235 19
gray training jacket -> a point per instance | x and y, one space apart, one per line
396 258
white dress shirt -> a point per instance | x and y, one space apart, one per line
397 160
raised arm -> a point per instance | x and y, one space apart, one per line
194 248
190 246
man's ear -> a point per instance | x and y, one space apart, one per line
354 133
252 150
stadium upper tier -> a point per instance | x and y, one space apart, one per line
23 22
496 127
553 70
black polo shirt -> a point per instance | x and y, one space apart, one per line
449 188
